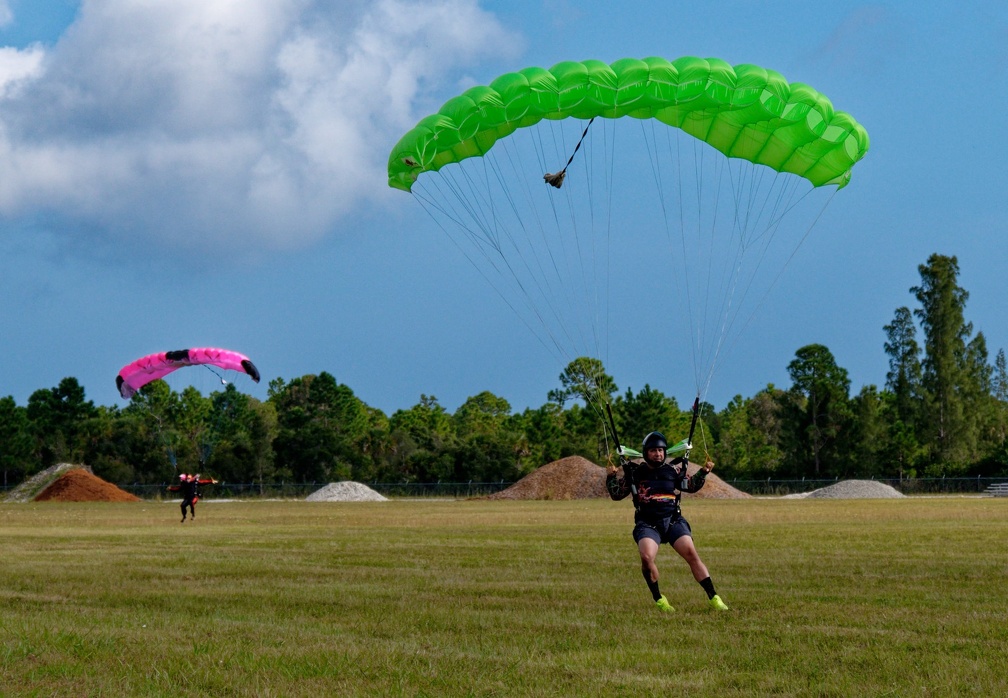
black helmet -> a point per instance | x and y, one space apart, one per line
654 440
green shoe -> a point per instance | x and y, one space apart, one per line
717 604
664 605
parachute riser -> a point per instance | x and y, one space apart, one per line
689 440
620 450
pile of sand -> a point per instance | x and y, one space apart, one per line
572 477
852 489
79 485
576 477
345 492
715 488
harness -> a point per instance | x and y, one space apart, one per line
630 472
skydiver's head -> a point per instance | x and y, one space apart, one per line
182 477
654 448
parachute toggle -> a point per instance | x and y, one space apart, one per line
555 180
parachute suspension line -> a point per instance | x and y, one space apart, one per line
428 207
169 449
697 316
780 212
610 180
593 255
484 243
598 171
730 274
574 299
723 297
544 282
462 205
744 192
665 145
537 280
584 252
600 247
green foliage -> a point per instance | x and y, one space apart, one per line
868 435
946 380
943 411
750 443
321 429
585 379
58 416
15 441
904 377
649 410
819 412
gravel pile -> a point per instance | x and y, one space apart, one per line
27 490
853 489
345 492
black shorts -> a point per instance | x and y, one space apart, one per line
664 531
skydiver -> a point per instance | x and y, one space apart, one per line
189 486
657 486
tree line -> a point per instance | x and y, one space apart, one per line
943 411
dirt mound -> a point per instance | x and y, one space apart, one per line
572 477
78 485
715 488
575 477
26 491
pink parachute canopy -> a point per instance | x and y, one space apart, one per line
136 375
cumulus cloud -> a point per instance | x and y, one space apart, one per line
214 124
18 67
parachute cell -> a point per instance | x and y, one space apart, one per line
139 373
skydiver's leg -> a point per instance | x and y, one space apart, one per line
183 510
647 545
684 546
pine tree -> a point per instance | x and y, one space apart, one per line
946 377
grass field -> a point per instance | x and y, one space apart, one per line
901 597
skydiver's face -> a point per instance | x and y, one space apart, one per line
655 456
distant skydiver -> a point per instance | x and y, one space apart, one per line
189 486
657 486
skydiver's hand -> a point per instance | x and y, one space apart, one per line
610 469
709 465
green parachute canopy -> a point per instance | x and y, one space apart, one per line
743 111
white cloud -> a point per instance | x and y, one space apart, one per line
214 124
6 16
18 67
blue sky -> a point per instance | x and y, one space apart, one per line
205 172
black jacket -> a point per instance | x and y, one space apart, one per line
656 491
